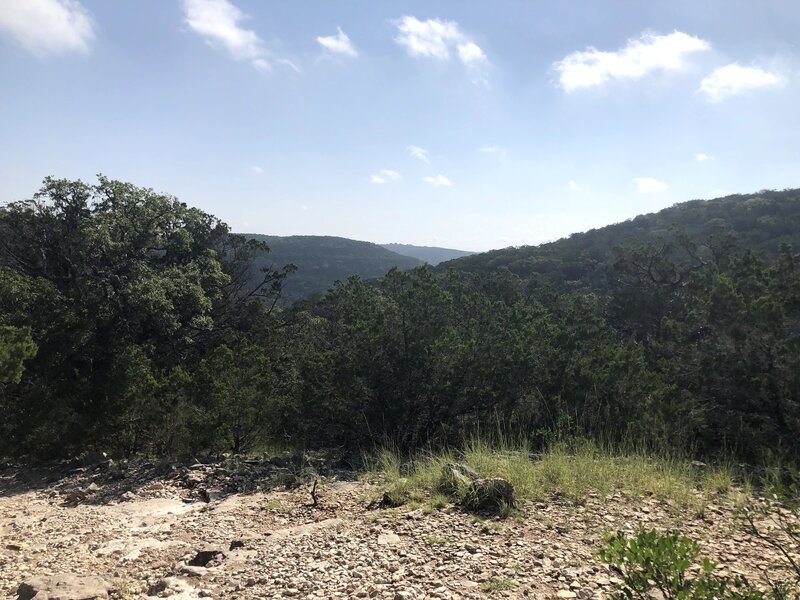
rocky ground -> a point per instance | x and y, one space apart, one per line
251 530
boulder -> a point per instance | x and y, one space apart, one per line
491 494
203 557
455 477
64 587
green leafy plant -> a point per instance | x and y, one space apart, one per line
653 563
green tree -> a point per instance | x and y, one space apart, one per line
119 285
16 346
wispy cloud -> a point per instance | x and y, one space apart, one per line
48 26
702 157
438 181
384 176
647 53
419 153
338 44
218 21
734 79
574 186
438 39
257 170
491 149
648 185
289 63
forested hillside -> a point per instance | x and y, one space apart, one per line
759 222
429 254
131 323
322 260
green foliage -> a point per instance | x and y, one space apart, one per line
321 261
658 562
121 288
498 584
16 346
718 228
134 323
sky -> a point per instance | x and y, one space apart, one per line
471 125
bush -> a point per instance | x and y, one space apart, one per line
656 563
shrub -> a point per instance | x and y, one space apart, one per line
656 563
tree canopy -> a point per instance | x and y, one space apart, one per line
130 322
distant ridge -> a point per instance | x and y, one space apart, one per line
761 222
322 260
432 255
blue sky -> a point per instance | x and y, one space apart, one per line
473 125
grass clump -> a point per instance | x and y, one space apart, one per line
498 584
437 540
575 470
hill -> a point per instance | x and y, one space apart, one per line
760 221
322 260
429 254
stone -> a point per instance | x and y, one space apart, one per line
566 594
388 539
456 476
64 587
192 571
203 557
17 547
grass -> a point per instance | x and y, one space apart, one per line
498 584
573 470
437 540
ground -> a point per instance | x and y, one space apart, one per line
148 529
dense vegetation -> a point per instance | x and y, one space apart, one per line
429 254
320 261
130 322
758 222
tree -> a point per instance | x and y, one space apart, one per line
16 346
103 273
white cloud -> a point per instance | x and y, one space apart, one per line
431 38
648 185
256 169
384 176
48 26
490 149
218 22
435 38
338 44
702 157
573 185
419 153
471 54
650 52
734 79
438 181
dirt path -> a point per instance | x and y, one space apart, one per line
151 540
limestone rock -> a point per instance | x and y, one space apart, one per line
456 476
64 587
388 539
